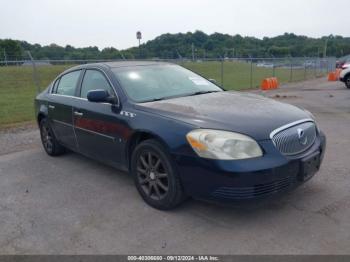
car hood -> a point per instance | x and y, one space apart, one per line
244 113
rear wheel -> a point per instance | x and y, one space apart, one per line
155 176
48 139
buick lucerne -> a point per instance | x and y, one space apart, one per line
178 134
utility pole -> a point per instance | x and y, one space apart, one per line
192 52
251 71
5 56
325 48
222 72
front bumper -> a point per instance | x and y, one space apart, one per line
227 181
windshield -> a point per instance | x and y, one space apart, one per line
156 82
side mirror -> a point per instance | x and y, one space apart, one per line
101 96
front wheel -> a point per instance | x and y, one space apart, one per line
48 139
155 176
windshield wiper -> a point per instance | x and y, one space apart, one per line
155 99
169 97
202 92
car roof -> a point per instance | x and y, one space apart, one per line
133 63
118 64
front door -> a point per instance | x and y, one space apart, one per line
98 127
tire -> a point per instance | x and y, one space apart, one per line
347 81
155 176
48 139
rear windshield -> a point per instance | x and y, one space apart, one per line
155 82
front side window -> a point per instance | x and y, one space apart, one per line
68 83
93 80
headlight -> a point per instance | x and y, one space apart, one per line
223 145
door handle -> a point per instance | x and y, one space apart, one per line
77 113
51 107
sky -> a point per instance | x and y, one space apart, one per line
106 23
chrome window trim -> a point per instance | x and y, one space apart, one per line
80 98
92 68
69 96
274 132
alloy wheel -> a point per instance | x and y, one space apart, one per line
152 175
47 138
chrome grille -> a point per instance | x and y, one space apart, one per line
294 139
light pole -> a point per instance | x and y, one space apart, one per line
139 37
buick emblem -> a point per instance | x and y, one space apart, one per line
302 137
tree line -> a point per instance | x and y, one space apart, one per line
196 45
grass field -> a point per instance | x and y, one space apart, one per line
17 89
237 75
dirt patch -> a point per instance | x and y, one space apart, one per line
19 138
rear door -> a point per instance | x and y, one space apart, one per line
62 99
98 127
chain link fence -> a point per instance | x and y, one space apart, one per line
231 73
238 73
21 79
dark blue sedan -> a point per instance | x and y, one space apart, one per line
178 134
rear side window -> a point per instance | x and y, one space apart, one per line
68 83
93 80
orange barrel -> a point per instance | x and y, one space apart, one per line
270 83
332 76
265 84
274 82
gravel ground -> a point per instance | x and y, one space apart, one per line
19 138
73 205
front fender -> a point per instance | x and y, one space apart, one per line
171 132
